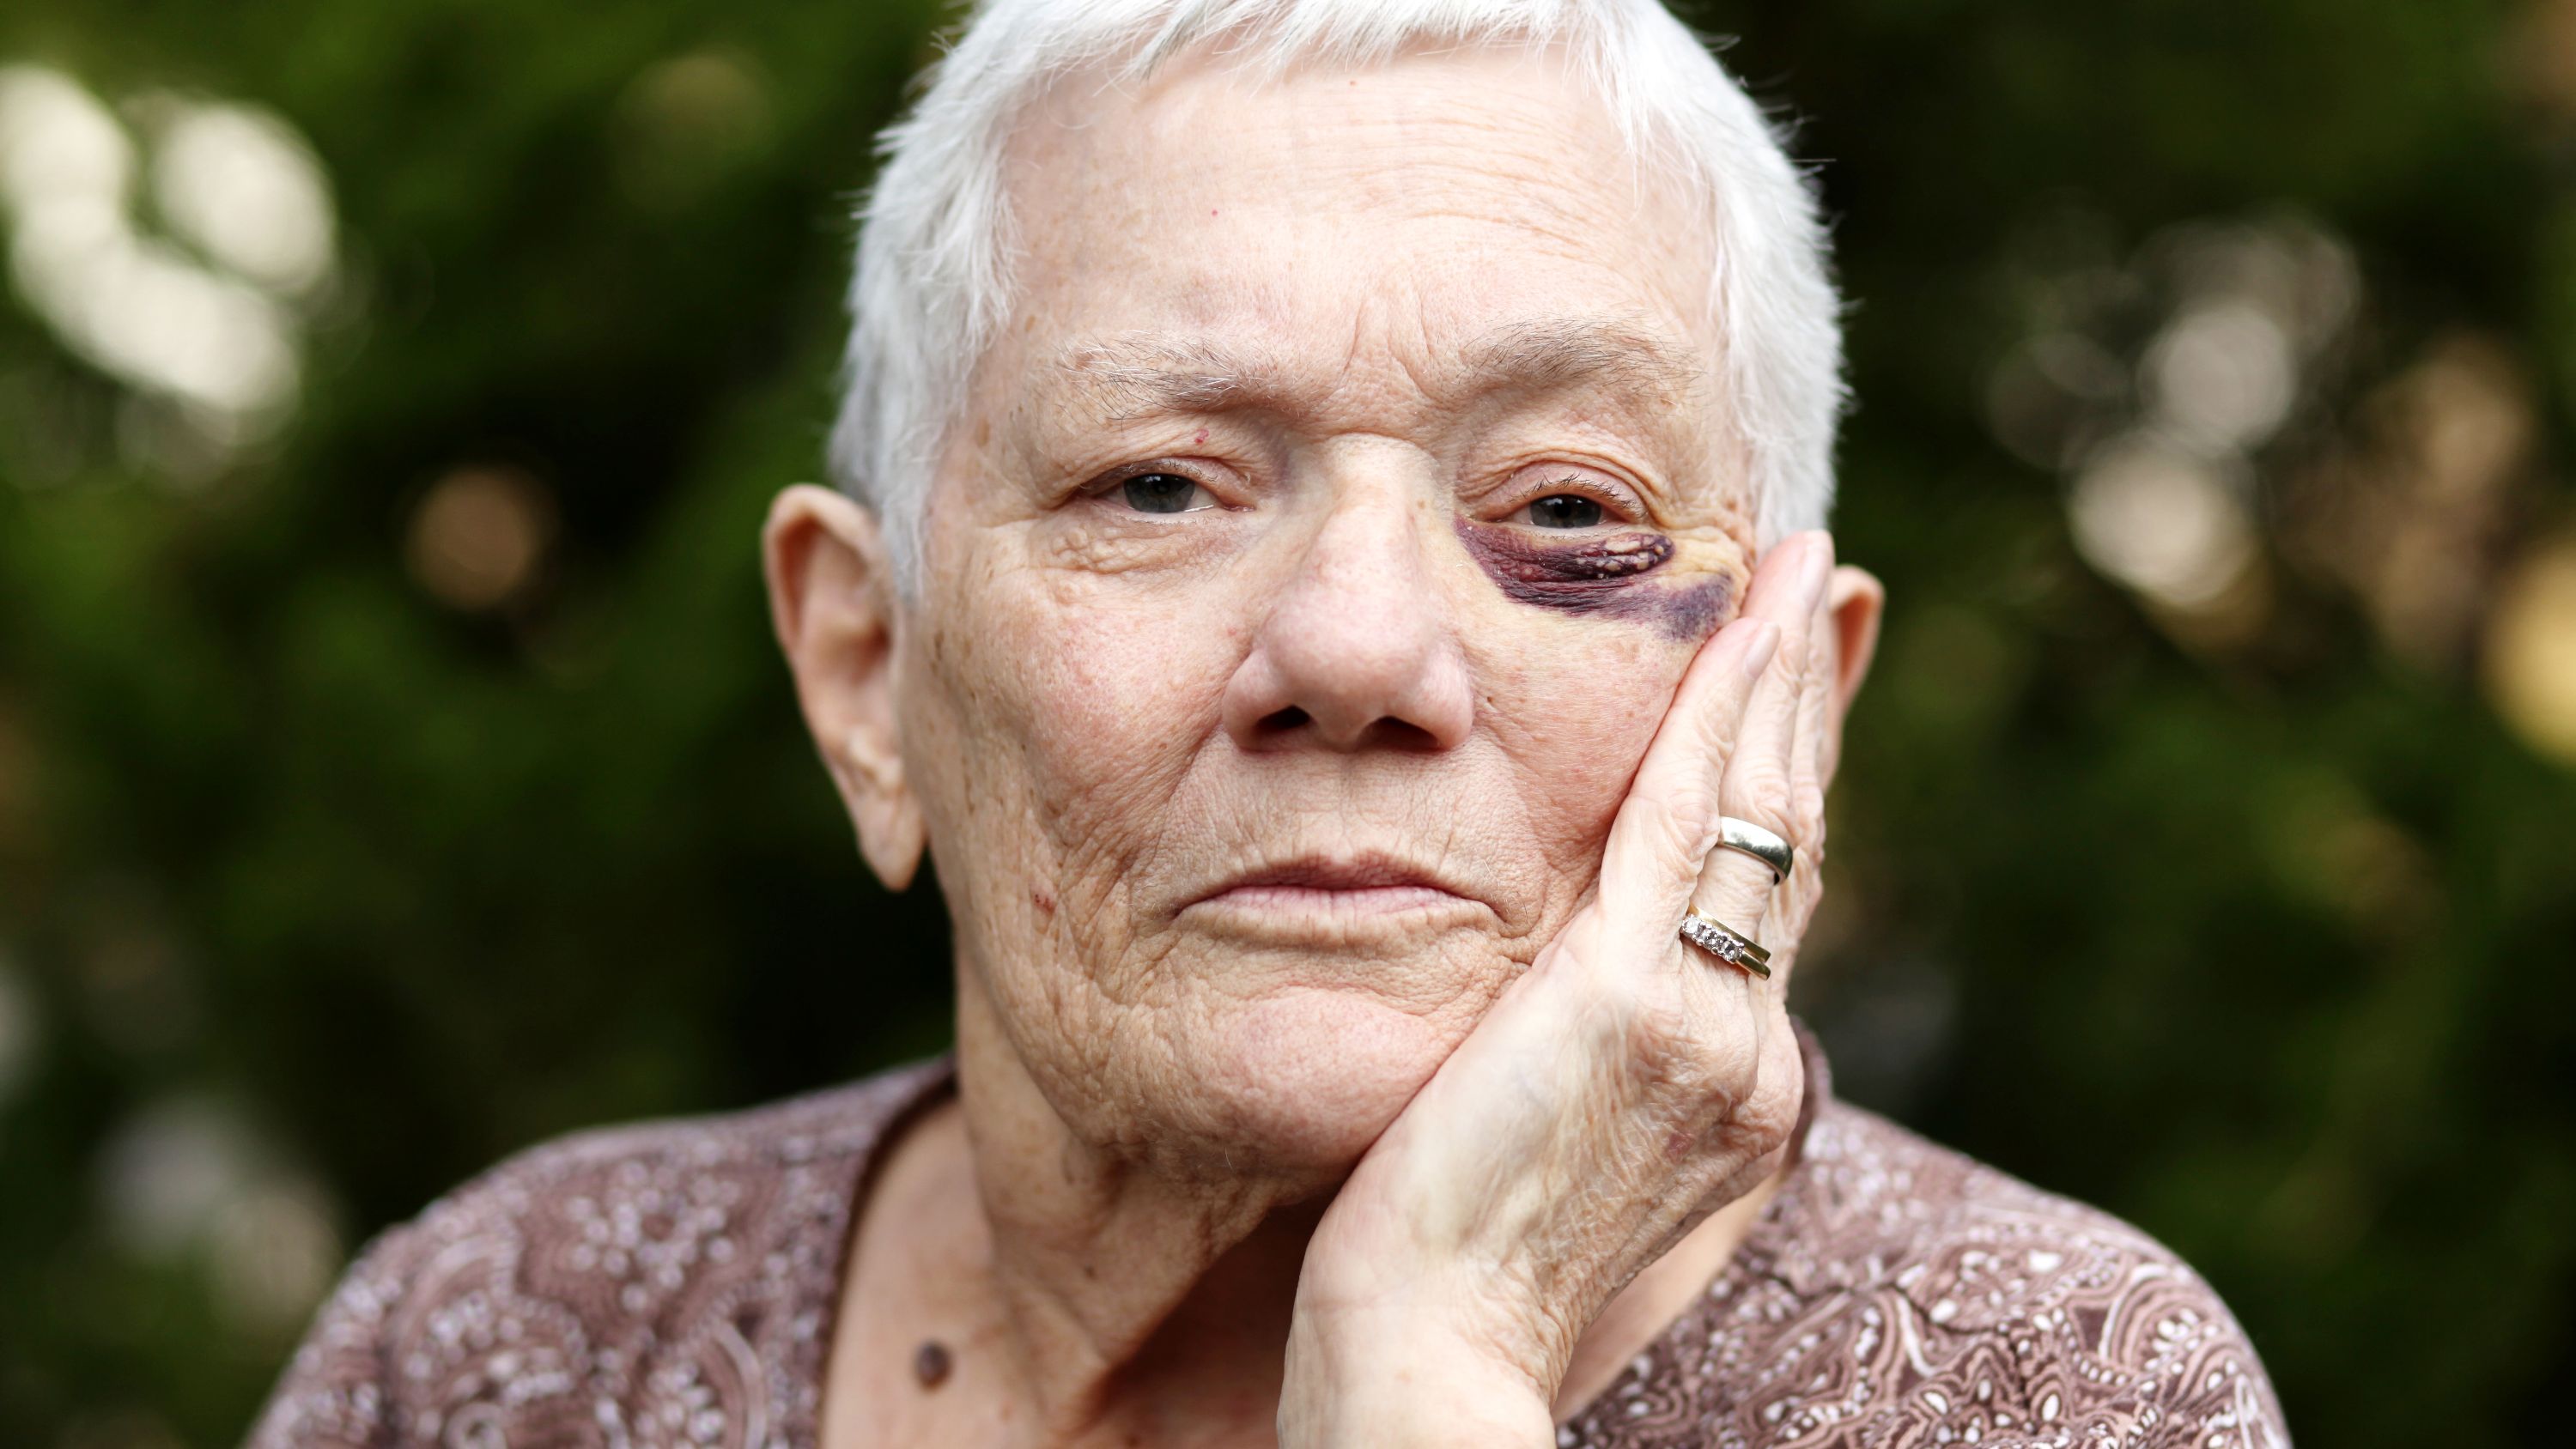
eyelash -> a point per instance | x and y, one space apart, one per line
1107 485
1615 500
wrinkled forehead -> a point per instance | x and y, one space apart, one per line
1465 219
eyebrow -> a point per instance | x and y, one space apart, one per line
1549 353
1140 375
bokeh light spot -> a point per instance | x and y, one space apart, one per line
2159 519
237 182
683 123
478 536
2531 650
18 1029
211 330
2223 375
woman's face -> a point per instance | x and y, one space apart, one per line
1325 535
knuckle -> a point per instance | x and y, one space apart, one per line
1770 1113
1762 791
1659 1034
1807 808
1690 812
1669 836
1676 1056
1813 812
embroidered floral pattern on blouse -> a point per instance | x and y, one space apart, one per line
673 1286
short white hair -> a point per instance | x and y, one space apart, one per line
933 276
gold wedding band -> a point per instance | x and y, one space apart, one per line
1726 943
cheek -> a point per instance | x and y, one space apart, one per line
1574 707
1070 724
1590 640
1121 705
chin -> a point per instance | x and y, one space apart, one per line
1303 1082
1270 1070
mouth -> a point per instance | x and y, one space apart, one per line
1324 888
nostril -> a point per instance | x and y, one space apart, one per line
1401 734
1385 732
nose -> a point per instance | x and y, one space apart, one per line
1358 651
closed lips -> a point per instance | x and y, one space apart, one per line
1365 882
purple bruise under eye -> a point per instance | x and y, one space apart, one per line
1601 577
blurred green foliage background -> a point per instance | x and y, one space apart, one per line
395 768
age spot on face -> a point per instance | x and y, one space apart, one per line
1596 577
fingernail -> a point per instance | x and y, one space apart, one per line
1815 566
1759 649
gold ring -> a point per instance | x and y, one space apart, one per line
1726 943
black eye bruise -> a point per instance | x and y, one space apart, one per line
1597 577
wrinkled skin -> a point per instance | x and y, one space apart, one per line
1246 550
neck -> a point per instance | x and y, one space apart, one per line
1127 1307
1134 1306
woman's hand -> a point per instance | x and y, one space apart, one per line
1620 1091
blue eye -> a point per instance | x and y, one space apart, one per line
1160 493
1565 510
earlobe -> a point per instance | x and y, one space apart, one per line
831 603
891 833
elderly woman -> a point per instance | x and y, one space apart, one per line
1329 573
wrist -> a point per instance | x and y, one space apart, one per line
1367 1293
1405 1385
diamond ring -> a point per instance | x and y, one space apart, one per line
1726 943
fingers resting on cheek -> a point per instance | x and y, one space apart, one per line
1731 737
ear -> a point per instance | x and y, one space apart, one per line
831 600
1856 599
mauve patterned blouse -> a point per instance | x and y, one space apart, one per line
672 1286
